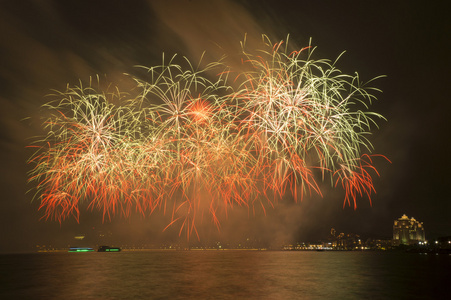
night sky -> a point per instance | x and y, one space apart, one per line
45 45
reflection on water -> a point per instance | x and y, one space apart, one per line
224 275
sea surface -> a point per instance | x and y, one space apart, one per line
224 274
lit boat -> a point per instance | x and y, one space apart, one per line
80 249
108 249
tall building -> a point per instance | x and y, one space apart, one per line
407 231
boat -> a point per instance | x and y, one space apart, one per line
80 249
108 249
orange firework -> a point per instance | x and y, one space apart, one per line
191 145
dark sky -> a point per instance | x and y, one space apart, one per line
45 45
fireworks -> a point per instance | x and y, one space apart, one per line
188 144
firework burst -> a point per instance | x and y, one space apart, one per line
191 144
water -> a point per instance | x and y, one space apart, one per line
225 275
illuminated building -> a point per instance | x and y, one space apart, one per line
407 231
333 232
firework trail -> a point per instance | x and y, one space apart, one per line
300 112
189 144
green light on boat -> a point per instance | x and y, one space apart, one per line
81 250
